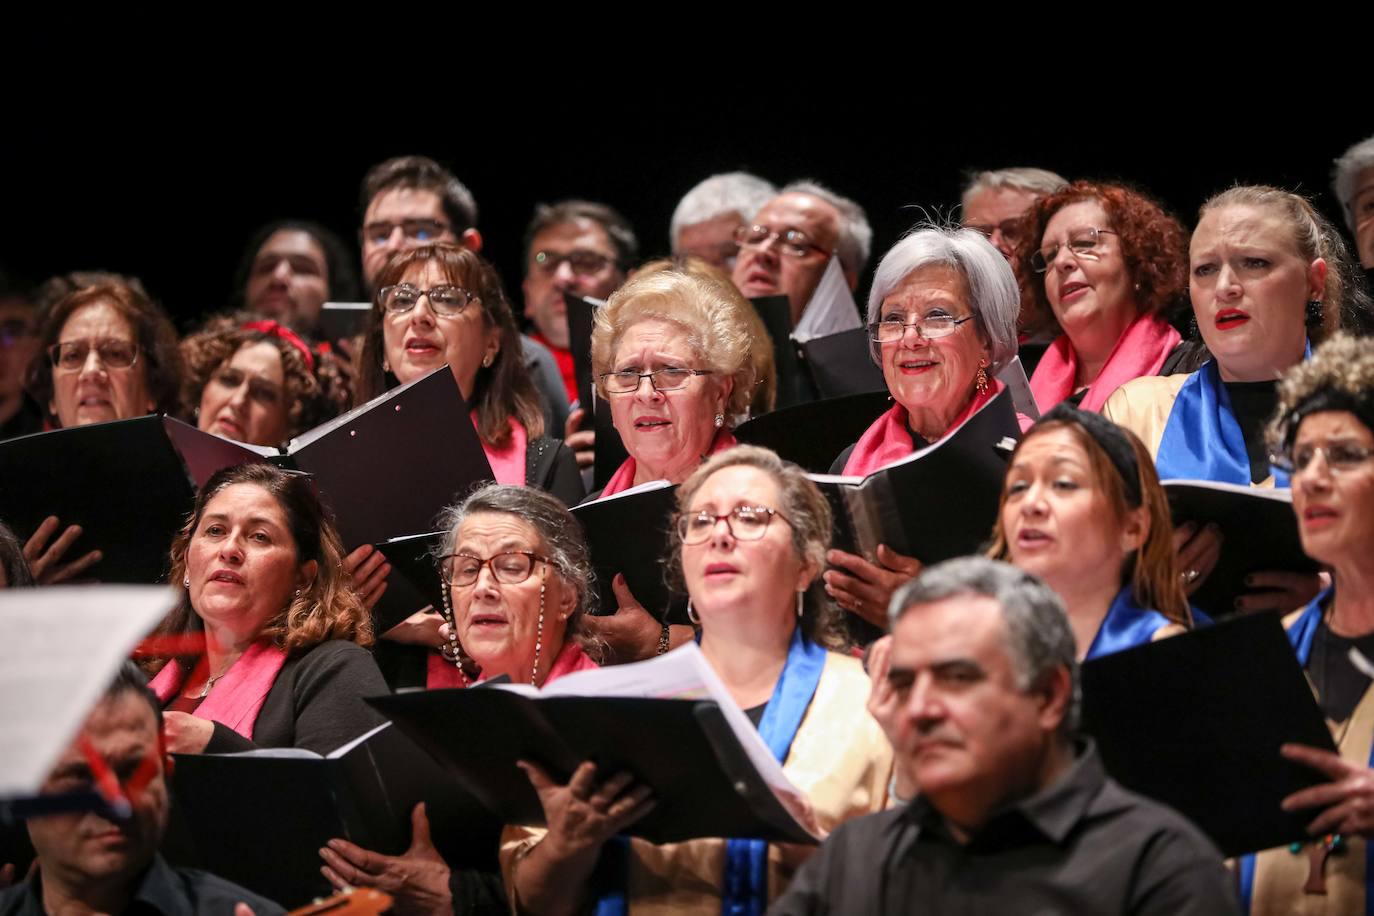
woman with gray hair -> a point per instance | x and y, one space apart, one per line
1353 181
942 322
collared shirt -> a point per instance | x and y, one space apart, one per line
162 890
1082 845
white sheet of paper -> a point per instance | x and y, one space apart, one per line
59 648
831 308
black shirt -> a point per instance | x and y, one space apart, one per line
1340 685
1083 845
162 889
1253 404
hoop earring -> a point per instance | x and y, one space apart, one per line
692 614
538 639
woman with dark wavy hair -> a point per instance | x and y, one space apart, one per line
1110 265
273 636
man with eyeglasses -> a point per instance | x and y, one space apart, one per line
19 414
993 202
785 249
705 220
578 247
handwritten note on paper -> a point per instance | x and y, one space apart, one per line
59 648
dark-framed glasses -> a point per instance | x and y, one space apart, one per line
1340 456
669 378
932 327
1010 229
1083 244
582 262
746 523
509 568
791 242
445 300
415 230
113 352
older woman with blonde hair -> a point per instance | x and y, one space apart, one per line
671 351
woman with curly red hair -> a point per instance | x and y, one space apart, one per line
1109 264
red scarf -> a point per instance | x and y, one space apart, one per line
507 464
564 358
889 438
624 476
238 694
443 673
1141 350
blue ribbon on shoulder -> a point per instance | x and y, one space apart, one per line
745 884
1301 634
1126 625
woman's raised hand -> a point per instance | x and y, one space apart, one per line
368 569
45 560
583 814
865 588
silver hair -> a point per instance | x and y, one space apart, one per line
856 235
728 192
996 299
1038 633
1036 181
559 533
1347 168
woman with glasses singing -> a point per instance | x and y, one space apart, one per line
1270 278
942 321
671 353
442 305
111 354
1324 437
1109 265
752 537
516 584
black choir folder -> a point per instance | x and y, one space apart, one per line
1259 529
814 433
940 502
1195 721
260 818
630 533
668 721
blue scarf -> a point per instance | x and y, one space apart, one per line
1202 439
745 886
1301 634
1127 625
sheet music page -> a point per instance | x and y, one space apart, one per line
59 648
831 308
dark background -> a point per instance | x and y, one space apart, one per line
172 195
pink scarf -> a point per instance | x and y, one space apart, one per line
624 476
443 673
1141 350
238 694
889 438
507 464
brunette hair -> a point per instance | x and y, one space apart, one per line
340 276
1151 571
328 608
809 516
502 390
1154 246
159 358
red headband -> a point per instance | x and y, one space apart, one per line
276 329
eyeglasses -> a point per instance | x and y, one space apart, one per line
1340 456
114 353
583 263
1010 229
745 523
1082 245
671 378
13 331
932 327
509 568
792 242
446 300
415 230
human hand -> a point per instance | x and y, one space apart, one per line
423 628
583 814
187 734
884 705
1282 591
865 588
1348 798
417 879
368 569
631 633
582 442
45 560
346 358
1198 551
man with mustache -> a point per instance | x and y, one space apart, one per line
88 864
1009 813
